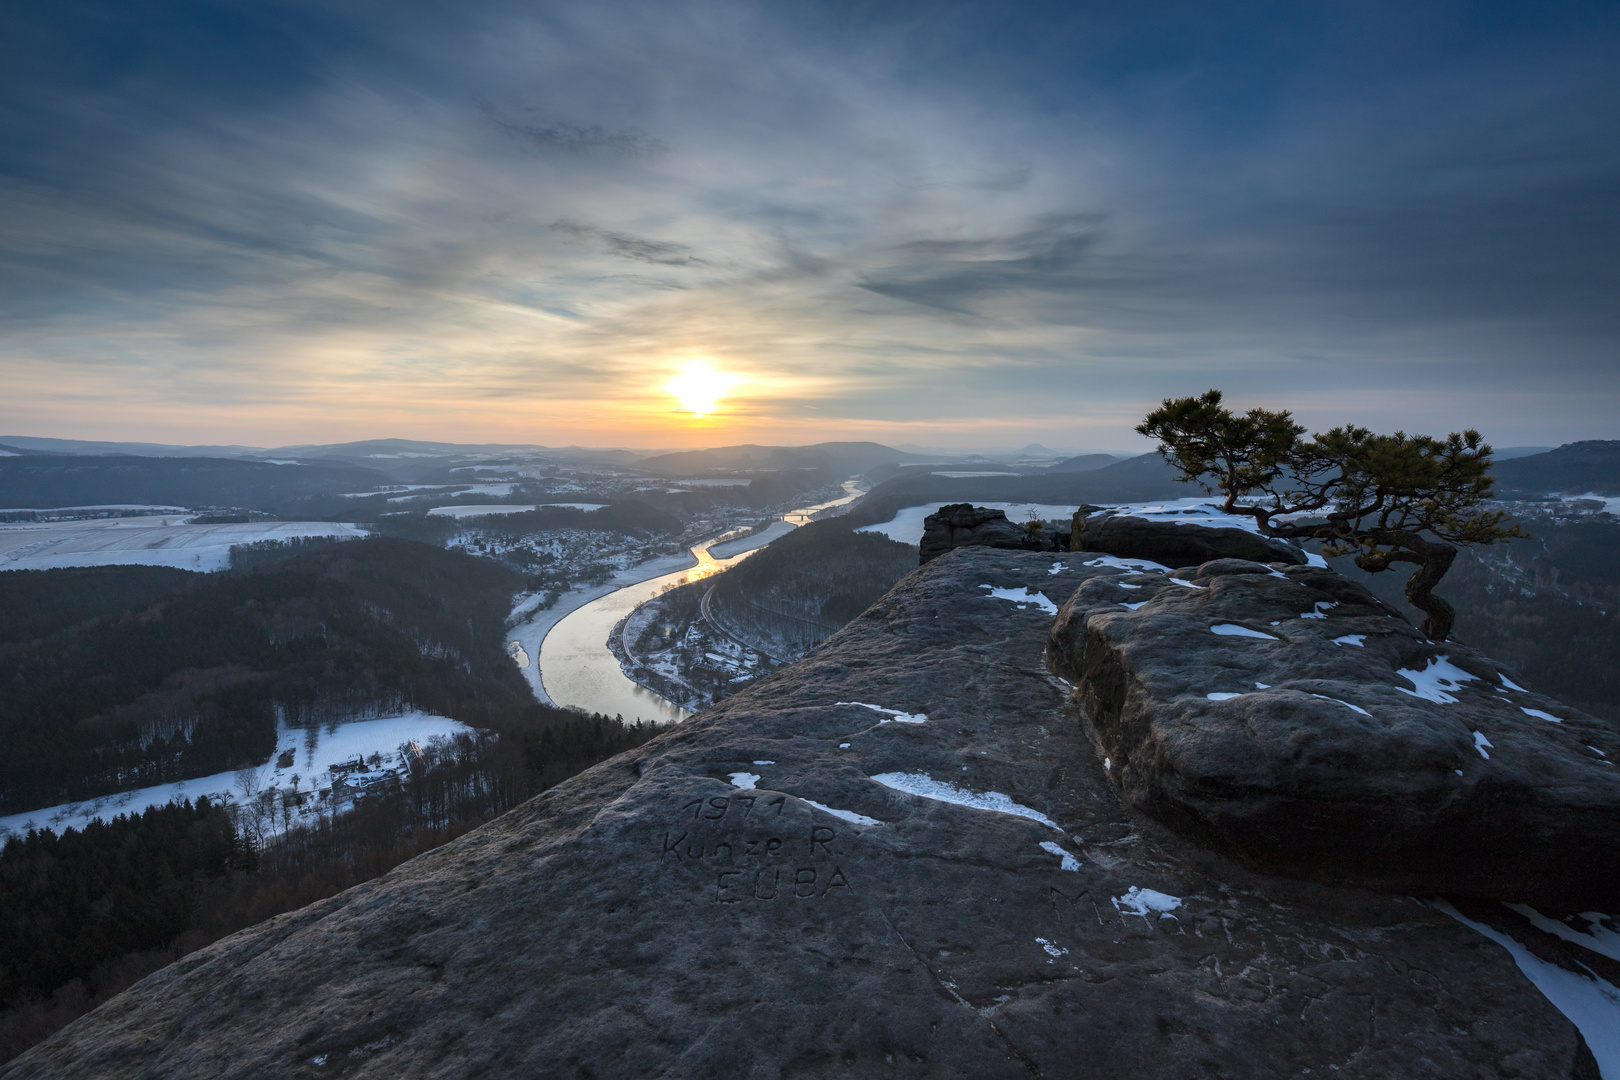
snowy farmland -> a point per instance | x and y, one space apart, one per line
907 525
491 509
154 540
315 750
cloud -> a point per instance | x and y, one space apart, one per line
635 248
305 218
574 139
952 275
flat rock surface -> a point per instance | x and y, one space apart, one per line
1174 543
1289 715
741 898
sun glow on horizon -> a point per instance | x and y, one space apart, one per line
700 387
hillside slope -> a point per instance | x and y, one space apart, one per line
756 893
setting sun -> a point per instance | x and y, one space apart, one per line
699 388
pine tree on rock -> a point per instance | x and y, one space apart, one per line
1385 498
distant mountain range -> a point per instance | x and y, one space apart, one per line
40 481
1572 469
46 473
849 458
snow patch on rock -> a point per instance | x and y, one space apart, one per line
926 787
1023 598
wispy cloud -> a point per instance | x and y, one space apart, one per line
631 247
302 225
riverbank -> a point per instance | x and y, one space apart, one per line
529 635
565 652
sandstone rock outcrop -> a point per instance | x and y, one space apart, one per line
965 525
1173 543
1293 718
900 856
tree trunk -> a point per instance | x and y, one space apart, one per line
1441 616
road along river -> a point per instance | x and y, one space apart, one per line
564 651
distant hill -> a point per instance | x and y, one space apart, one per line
844 457
1572 469
28 444
44 482
1084 463
392 451
1132 480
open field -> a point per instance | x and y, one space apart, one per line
156 540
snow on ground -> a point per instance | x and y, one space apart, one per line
1591 1004
315 749
1023 598
1227 629
1358 640
158 540
1138 901
1069 862
1597 937
150 508
1346 704
848 815
1434 680
773 531
925 786
488 509
448 490
744 780
907 526
1140 566
1611 503
479 510
890 714
1538 713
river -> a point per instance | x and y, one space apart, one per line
564 651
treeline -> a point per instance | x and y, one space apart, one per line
628 517
123 678
72 902
1548 606
799 590
51 480
85 914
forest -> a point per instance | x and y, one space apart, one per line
1547 606
87 913
122 677
798 591
51 480
128 675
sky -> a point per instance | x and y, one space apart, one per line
960 224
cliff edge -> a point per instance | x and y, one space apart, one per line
901 856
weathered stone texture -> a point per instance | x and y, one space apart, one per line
652 918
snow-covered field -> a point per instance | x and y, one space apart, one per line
165 540
149 508
315 751
907 526
487 509
1611 503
